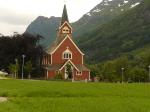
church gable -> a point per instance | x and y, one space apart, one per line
59 55
65 28
69 62
67 40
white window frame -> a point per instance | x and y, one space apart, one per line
65 30
67 54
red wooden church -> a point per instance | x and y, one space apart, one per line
64 57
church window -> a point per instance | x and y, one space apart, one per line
67 54
65 30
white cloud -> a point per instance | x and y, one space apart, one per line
7 29
14 17
18 14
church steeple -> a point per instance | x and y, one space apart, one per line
65 28
64 15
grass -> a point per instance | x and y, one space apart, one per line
46 96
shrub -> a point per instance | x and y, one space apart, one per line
59 76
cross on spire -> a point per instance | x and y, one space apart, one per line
65 1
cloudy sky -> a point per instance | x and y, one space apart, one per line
16 15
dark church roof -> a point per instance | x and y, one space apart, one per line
55 44
64 16
58 66
54 67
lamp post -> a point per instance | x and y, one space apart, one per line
149 72
122 74
16 67
23 56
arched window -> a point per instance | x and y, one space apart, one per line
65 30
67 54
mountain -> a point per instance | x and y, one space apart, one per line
46 27
127 32
102 13
105 34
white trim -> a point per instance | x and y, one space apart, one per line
69 55
67 63
63 41
82 60
64 24
66 76
89 75
65 30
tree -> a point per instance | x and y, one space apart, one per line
109 71
59 76
138 74
12 47
14 68
28 68
69 71
96 71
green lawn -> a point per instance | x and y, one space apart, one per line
46 96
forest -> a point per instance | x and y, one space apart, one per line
16 47
130 67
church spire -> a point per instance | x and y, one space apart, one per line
64 15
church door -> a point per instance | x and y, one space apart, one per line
68 71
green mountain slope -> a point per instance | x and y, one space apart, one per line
102 13
46 27
129 67
125 33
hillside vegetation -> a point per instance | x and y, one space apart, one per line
45 27
125 33
135 67
100 14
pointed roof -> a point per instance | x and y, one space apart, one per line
64 15
57 44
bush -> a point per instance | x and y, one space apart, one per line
59 76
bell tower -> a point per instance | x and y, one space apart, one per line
65 28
